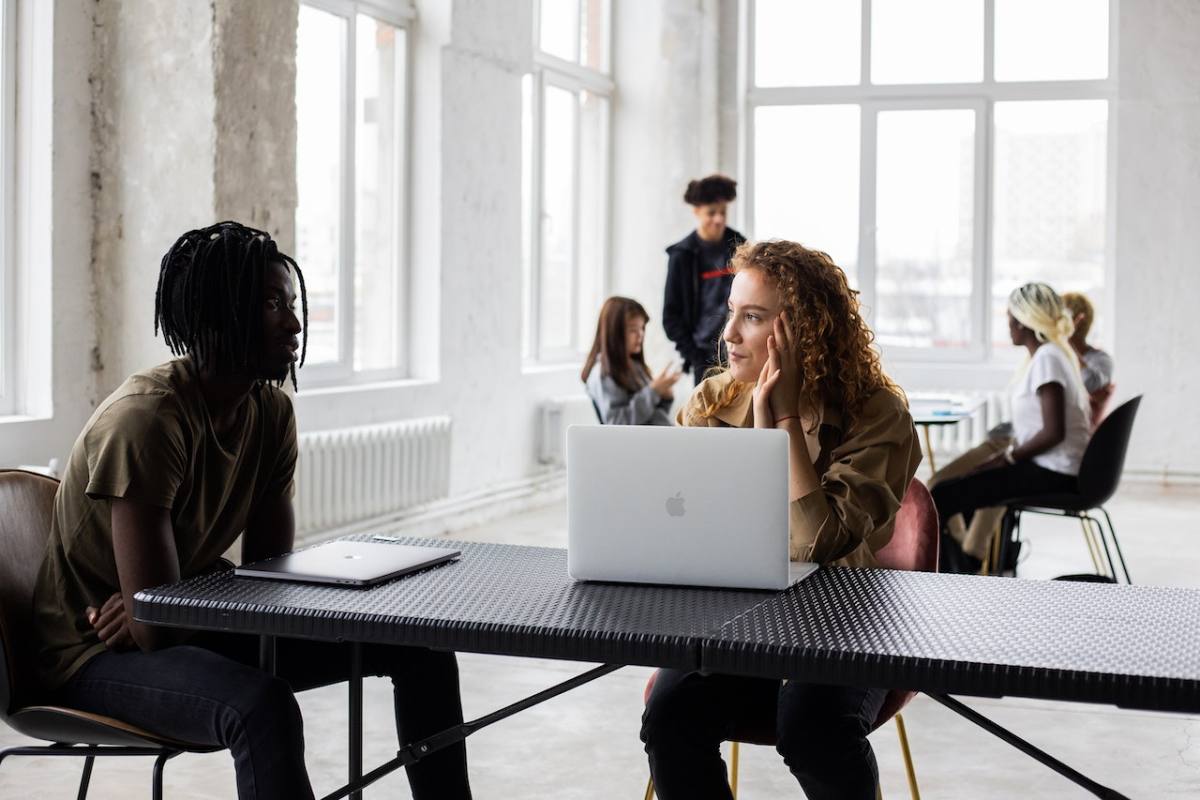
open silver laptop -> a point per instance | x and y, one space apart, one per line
679 506
348 563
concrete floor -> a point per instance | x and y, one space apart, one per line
584 744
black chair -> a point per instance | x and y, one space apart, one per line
26 503
596 408
1099 477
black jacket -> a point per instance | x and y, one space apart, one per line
681 299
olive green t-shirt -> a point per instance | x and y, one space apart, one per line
152 441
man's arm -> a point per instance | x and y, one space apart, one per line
271 530
674 322
144 546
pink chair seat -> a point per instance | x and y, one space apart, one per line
914 548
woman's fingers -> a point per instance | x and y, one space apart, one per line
783 332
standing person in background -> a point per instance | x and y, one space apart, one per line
1095 365
621 386
699 277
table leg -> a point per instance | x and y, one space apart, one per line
418 750
1078 778
929 449
266 654
355 686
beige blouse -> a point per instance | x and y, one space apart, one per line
865 468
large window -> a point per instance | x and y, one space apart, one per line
8 38
565 189
940 163
351 153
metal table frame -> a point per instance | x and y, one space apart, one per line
791 634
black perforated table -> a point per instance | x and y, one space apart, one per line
1132 646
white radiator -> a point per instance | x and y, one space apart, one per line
554 417
953 440
352 474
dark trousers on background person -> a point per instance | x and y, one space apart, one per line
821 732
211 691
992 487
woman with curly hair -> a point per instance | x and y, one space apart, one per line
800 358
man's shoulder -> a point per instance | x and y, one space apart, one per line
151 393
689 243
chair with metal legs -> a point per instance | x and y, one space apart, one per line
1099 477
26 503
913 547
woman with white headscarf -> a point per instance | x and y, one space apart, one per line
1049 425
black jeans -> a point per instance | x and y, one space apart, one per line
210 691
821 732
993 487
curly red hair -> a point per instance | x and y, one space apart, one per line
833 346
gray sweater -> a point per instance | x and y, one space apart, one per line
1096 369
619 407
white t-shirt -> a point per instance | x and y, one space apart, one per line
1051 365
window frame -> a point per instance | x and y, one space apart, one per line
982 96
8 193
341 372
551 71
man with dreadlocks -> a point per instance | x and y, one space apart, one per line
169 471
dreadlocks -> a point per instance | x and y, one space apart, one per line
208 300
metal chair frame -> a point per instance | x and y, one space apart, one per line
90 753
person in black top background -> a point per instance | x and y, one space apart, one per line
698 275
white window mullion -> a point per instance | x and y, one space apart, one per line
346 269
576 279
865 47
867 229
7 198
403 123
745 85
989 42
985 174
537 213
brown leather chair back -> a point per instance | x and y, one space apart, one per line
26 507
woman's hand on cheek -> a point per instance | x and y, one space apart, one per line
781 361
763 416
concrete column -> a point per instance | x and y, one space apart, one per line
254 85
194 121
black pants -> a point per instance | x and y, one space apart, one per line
210 691
821 732
993 487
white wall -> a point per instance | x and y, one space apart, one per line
665 133
466 222
1158 231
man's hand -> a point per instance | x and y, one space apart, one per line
112 623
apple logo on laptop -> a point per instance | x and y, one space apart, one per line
675 505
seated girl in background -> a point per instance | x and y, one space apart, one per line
799 359
620 384
1050 431
1095 365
